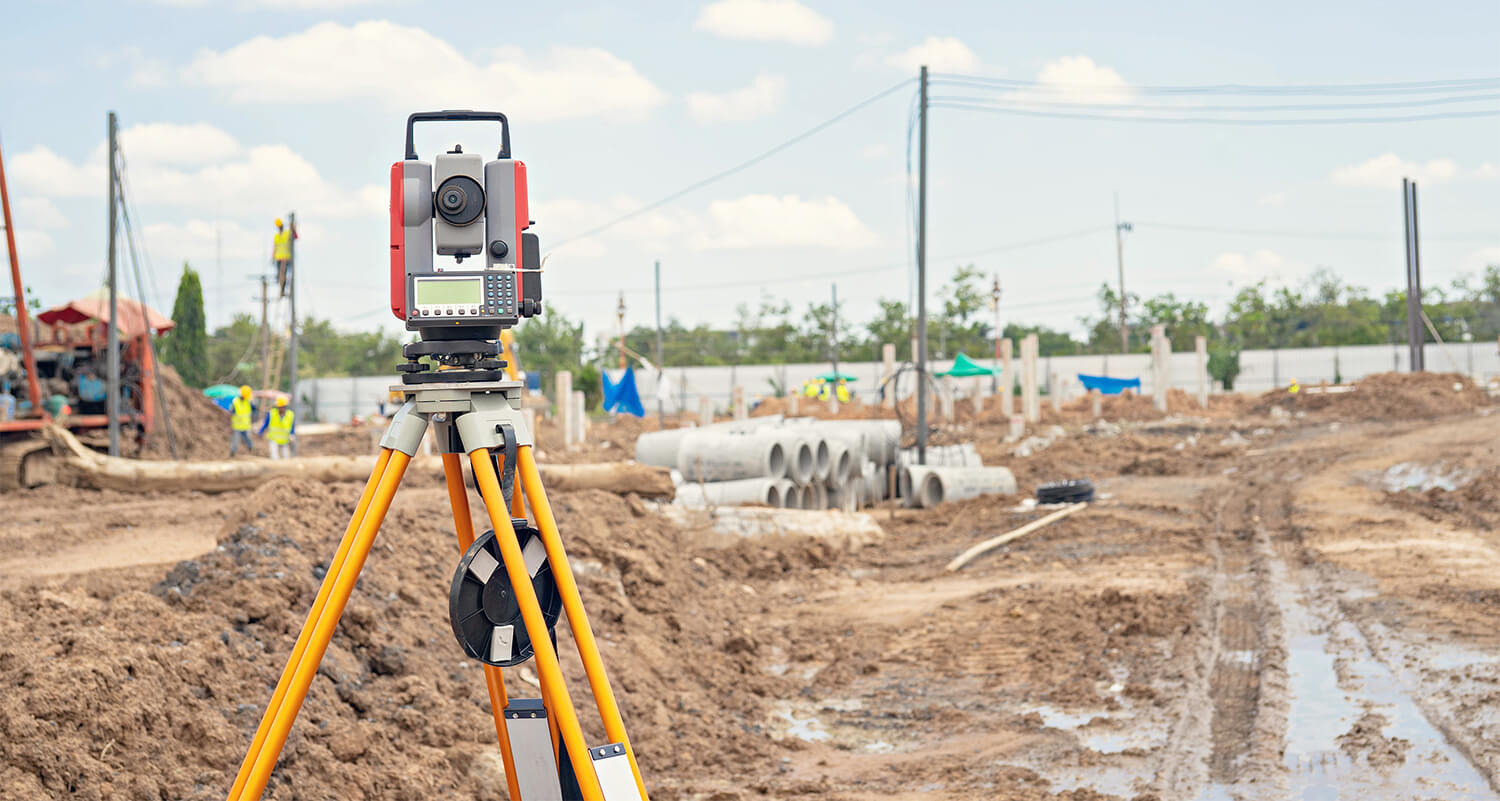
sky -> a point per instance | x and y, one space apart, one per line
234 113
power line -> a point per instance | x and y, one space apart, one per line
732 170
1046 103
1351 235
1331 89
995 109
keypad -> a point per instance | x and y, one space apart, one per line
499 294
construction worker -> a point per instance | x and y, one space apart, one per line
843 391
1295 387
281 255
240 412
278 428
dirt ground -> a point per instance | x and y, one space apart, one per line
1260 605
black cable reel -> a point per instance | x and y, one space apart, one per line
482 601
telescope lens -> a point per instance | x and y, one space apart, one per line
460 200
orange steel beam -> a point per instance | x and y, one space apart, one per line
23 316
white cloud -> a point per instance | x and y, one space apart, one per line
1077 79
1256 265
875 151
1479 259
402 67
765 21
743 223
1274 198
193 166
1487 171
169 143
938 53
761 97
200 242
38 212
768 221
1386 171
143 70
32 244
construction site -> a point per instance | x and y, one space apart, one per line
1212 549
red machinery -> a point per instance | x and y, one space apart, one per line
64 355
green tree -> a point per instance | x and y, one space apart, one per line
185 347
550 342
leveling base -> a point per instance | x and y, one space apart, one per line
541 742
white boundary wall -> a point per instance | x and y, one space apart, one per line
338 399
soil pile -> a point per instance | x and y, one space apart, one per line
128 687
1385 396
1475 504
199 425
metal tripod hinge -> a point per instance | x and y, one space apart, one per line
463 417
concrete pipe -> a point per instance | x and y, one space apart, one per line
821 454
840 463
715 456
800 460
927 487
660 448
758 491
814 496
882 438
786 488
792 497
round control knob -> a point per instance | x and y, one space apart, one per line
498 249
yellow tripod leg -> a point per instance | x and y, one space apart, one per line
312 617
578 620
494 680
548 670
519 512
317 644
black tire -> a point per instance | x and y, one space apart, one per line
1074 490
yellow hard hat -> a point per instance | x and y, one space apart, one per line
278 222
245 391
280 402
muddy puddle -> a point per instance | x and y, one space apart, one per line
1353 730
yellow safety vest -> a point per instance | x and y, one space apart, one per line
279 430
239 415
843 393
283 245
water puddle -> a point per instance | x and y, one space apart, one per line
1352 730
1422 477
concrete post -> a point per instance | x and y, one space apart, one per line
978 396
741 411
1200 345
562 400
947 398
792 400
888 369
579 417
1161 353
705 410
1007 379
1031 406
1055 391
1096 399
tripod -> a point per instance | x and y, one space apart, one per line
541 742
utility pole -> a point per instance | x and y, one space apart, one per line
922 276
995 304
833 338
1415 336
113 395
661 367
1120 229
23 315
291 219
265 334
620 316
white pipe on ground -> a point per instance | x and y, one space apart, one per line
927 487
731 493
716 456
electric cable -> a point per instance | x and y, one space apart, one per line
1340 90
1255 122
732 170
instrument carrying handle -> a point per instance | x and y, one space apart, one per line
457 115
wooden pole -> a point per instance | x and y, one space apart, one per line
995 542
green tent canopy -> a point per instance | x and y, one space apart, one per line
220 390
832 376
964 367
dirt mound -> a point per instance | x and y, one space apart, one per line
199 425
107 675
1475 504
1384 396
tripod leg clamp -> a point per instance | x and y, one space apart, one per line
406 430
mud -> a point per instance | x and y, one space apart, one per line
1248 611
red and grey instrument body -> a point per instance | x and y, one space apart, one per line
468 208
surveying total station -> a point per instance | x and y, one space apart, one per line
513 581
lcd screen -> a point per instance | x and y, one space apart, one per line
449 291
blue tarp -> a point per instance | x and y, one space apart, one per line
1109 386
620 395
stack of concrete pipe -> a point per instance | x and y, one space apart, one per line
796 463
806 463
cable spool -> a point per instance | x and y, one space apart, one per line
482 606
